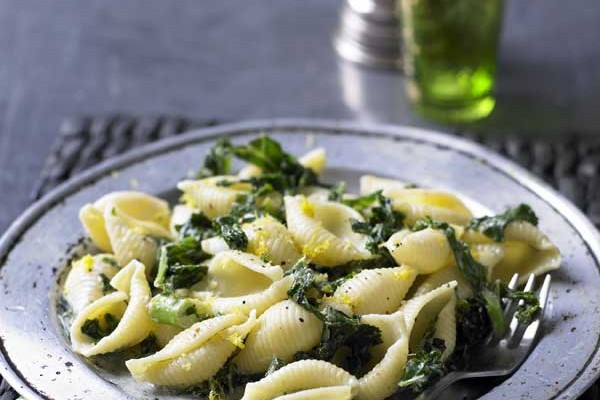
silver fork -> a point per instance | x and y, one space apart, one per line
500 357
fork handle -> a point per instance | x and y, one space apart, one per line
438 388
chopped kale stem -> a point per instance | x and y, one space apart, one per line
494 226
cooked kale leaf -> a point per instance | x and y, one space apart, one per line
231 231
425 366
179 264
218 160
381 222
341 331
472 321
491 294
280 169
494 227
474 272
100 327
337 192
199 227
303 284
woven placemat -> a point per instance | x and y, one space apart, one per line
571 165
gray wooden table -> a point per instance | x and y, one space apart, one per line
234 59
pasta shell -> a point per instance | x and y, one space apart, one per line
417 203
283 330
421 312
211 199
129 303
427 250
300 376
524 250
382 380
267 238
323 231
195 354
374 291
84 282
144 212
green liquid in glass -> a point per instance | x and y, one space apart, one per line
450 56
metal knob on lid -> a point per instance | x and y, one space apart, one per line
369 33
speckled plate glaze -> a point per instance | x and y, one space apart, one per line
34 352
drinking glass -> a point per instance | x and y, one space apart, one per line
450 49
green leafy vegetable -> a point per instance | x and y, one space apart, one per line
362 202
280 169
381 223
218 160
199 227
336 193
494 227
473 321
342 331
231 231
176 311
489 293
179 264
99 327
425 366
526 311
106 287
302 284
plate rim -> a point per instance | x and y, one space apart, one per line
589 234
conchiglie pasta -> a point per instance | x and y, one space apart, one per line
86 280
238 281
195 354
402 331
283 330
327 393
443 276
212 199
445 327
124 222
267 238
300 376
382 380
323 231
259 301
524 250
235 273
314 159
374 291
421 312
127 304
417 203
426 250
